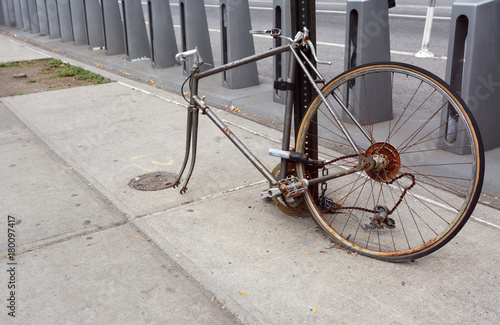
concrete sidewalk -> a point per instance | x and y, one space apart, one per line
89 249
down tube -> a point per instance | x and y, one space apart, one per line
250 156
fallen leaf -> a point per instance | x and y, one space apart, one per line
307 253
178 256
314 309
322 252
243 293
213 298
137 236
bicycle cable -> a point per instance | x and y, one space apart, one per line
190 86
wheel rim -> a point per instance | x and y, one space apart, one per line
369 189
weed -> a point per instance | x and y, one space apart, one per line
31 80
9 64
18 64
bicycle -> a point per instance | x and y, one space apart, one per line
377 196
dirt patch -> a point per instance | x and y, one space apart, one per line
27 77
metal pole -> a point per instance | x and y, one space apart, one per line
304 15
424 51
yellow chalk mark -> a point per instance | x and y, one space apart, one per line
143 168
170 162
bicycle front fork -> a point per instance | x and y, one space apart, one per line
192 139
191 144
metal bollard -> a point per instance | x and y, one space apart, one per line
94 24
78 22
65 26
4 13
25 15
33 16
237 43
473 70
2 17
162 34
424 51
9 14
43 21
53 19
17 12
283 20
367 40
114 35
194 33
136 37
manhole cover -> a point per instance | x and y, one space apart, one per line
154 181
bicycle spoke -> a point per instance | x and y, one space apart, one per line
405 202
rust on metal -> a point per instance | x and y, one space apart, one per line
387 162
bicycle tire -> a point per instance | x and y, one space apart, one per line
431 177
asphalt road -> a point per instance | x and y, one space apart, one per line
406 23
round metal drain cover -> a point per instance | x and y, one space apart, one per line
154 181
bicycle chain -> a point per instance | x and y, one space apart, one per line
406 189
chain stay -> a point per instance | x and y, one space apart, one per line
324 185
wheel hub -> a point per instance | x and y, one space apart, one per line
387 162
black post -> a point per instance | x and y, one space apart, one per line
304 15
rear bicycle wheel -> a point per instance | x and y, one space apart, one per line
430 161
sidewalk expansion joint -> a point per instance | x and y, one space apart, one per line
70 237
211 196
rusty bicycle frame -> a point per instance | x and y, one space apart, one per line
282 185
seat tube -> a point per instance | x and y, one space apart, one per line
287 125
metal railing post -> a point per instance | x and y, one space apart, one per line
114 35
43 21
33 16
53 19
424 51
25 15
473 70
136 37
237 43
94 24
282 19
162 34
194 33
10 13
367 40
2 18
78 22
17 12
65 26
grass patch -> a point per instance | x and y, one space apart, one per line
31 80
59 69
18 64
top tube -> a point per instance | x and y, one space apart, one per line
238 63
